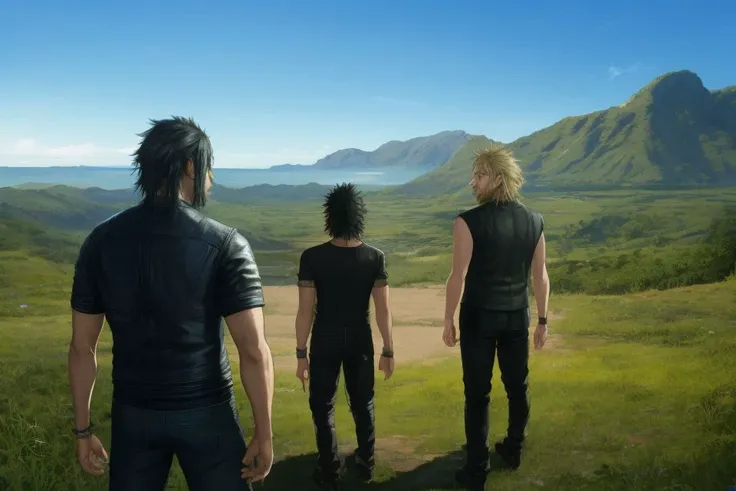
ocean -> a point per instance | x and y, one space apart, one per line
122 177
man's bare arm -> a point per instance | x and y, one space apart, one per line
82 360
247 329
462 250
380 296
540 279
304 314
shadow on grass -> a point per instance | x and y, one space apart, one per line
437 474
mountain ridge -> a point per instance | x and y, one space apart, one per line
672 131
427 152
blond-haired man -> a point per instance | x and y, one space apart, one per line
495 247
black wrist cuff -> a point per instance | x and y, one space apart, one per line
301 353
387 353
80 434
542 321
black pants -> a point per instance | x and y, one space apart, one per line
208 443
483 333
359 381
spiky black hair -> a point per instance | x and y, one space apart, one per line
344 212
161 160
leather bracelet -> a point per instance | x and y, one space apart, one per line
542 321
301 353
85 433
387 353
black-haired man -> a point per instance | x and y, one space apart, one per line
337 279
164 276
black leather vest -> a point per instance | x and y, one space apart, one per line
504 238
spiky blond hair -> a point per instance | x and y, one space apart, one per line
505 175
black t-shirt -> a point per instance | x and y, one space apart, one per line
344 278
164 282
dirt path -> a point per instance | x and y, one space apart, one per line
417 315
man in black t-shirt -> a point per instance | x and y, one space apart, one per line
164 276
336 280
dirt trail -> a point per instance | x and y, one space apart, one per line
417 316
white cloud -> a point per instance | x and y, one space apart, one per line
28 147
617 71
31 152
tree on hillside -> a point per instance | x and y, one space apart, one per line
721 240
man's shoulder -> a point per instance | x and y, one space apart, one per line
532 211
209 229
468 211
217 229
117 221
373 250
314 250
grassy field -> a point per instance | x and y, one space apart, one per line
415 233
632 393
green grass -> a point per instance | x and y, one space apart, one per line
633 393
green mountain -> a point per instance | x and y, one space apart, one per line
450 177
426 152
671 132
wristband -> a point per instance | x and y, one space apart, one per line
85 433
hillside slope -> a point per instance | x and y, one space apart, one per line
427 152
76 211
450 177
672 132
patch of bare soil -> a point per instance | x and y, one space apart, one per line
417 325
400 451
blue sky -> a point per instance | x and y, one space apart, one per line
291 81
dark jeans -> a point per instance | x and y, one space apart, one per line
324 373
483 333
208 443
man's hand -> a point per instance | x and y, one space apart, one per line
258 459
540 336
302 371
91 455
449 335
386 365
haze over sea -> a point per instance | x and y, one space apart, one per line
123 178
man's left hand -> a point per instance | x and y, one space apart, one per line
91 455
449 335
386 365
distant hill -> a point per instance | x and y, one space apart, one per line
37 239
75 211
426 152
672 132
450 177
60 207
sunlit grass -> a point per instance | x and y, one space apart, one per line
632 393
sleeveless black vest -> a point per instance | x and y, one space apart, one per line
504 238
